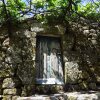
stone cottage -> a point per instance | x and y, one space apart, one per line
46 58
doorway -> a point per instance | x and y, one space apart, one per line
49 67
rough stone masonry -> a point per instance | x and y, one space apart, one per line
81 57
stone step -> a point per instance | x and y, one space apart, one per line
83 95
91 95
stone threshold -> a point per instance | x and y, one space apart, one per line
83 95
90 95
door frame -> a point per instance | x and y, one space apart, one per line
59 37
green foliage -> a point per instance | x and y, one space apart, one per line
48 10
10 10
91 10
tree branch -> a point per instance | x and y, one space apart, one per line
95 3
7 18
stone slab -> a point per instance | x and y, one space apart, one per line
33 98
83 95
10 91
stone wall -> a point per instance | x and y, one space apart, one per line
81 57
81 48
17 60
17 63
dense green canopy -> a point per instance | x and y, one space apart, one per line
45 10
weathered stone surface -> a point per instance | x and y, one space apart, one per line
6 73
98 79
92 31
93 35
84 47
13 91
7 97
84 75
79 25
72 72
34 98
27 75
8 60
72 87
28 90
94 42
84 85
10 83
4 49
83 95
6 42
92 86
72 98
19 55
15 97
9 92
85 27
56 88
80 30
86 32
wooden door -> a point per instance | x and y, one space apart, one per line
49 68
